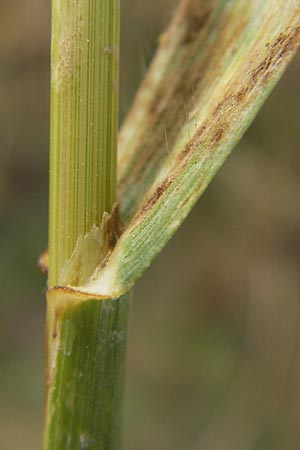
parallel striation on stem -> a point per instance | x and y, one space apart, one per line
84 121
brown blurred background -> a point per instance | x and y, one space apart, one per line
213 360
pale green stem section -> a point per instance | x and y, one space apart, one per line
86 338
84 121
86 375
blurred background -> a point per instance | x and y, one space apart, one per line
213 359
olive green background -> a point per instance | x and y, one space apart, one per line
213 358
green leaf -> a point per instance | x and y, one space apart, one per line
215 66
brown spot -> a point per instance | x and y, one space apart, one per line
158 193
155 106
190 147
284 46
55 327
113 227
217 135
239 97
195 22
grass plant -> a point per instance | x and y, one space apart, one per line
110 216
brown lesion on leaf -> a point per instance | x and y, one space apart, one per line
285 44
195 22
155 197
173 101
217 135
240 92
193 15
237 98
